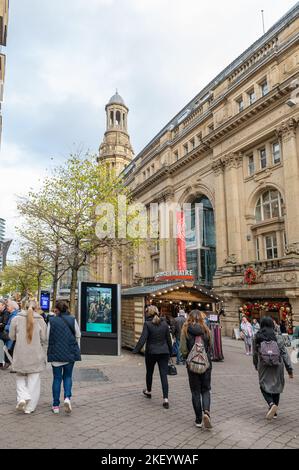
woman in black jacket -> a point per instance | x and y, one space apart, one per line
158 348
200 384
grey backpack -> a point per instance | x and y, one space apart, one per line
197 360
270 353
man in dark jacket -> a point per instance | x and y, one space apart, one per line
178 324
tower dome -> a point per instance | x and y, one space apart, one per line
117 99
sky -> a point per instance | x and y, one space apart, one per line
65 58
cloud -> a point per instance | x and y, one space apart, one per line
66 57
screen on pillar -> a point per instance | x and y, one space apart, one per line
98 308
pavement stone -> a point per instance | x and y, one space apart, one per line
110 412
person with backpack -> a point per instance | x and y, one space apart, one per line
29 332
269 358
156 335
195 346
63 352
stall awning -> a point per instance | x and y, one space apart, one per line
169 290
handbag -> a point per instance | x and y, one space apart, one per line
172 368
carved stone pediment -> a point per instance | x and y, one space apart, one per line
292 249
231 259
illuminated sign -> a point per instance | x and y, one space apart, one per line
186 275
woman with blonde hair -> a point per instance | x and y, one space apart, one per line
29 331
196 331
156 335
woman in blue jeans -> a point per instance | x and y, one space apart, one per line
63 351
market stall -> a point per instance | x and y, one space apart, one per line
169 298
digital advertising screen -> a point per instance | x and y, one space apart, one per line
45 301
99 307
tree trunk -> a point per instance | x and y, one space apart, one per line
39 287
73 291
55 283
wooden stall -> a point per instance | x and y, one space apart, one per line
168 297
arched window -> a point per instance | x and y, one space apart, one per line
268 206
200 240
111 118
117 117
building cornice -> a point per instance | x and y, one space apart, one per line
253 50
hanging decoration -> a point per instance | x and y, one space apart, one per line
283 308
249 276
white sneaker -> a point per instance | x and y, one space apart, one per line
272 411
21 405
55 410
67 405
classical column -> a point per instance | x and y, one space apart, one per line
220 214
287 134
232 164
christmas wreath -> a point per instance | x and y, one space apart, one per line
249 276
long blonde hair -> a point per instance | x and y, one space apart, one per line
196 317
31 307
152 311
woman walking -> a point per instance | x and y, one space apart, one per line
158 349
247 331
269 358
29 332
196 331
63 351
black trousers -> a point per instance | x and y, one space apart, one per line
150 362
271 397
200 386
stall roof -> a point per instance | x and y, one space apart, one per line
152 288
149 289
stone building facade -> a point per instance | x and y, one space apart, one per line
234 150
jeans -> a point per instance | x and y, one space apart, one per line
248 345
271 397
179 357
200 385
150 362
62 373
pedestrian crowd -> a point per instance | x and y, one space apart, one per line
30 339
192 336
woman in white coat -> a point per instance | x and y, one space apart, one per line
29 330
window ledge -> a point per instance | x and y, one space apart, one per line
265 223
265 172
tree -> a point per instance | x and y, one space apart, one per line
66 206
23 278
45 246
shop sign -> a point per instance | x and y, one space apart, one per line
186 275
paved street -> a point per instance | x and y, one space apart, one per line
109 410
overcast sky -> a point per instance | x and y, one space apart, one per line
65 58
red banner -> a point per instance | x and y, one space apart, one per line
181 241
